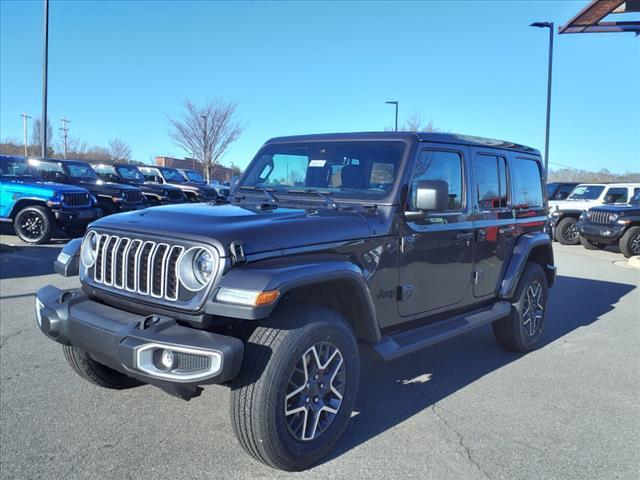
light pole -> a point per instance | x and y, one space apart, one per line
394 102
65 132
204 148
45 62
25 118
548 25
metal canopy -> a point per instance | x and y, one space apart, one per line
589 19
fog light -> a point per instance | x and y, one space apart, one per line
167 359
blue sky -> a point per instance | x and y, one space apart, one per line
117 69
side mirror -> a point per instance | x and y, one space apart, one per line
432 195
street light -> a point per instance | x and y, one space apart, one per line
204 150
548 25
394 102
45 61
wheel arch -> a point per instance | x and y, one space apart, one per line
26 202
530 247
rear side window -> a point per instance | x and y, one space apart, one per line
563 192
616 195
491 179
527 183
440 165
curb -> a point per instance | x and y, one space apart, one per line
634 262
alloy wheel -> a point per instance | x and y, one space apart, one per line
634 245
533 309
32 226
314 391
570 232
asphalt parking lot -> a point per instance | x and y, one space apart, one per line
464 409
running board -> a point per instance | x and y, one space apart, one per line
403 343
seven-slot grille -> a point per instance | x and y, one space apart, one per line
210 193
174 195
76 199
133 196
598 216
140 266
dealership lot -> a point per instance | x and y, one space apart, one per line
462 409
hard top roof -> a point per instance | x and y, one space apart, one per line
435 137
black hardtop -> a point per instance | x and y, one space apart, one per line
435 137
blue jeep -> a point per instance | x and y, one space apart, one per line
36 207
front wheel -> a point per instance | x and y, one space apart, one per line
33 225
567 231
297 387
630 242
96 373
589 245
522 330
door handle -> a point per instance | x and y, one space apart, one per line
463 238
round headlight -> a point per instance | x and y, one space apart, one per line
197 267
89 250
614 217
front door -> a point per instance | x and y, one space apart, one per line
494 222
436 252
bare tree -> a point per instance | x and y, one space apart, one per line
206 132
119 150
415 124
36 133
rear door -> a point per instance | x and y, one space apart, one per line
494 221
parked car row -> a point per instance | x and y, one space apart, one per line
39 195
596 215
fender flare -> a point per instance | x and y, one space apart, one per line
536 244
287 277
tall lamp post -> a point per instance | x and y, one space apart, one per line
45 61
204 150
394 102
548 25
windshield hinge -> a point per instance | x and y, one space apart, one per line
237 253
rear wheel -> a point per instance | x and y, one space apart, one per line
567 231
589 245
34 225
522 330
95 372
630 242
297 387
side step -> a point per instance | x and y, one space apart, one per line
403 343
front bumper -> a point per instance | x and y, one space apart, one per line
127 342
600 233
84 215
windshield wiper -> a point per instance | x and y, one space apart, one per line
272 197
323 195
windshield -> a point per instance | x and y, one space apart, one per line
16 167
586 192
194 177
172 175
81 171
551 189
349 169
131 173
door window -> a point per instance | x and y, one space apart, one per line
440 165
527 183
491 179
616 195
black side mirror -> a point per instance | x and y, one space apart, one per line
432 195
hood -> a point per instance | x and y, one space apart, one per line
258 230
105 188
572 204
54 187
627 208
193 187
157 188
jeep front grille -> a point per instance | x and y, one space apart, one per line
175 195
76 199
598 216
133 196
144 267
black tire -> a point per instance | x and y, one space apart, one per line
34 225
107 208
520 332
274 366
630 242
95 372
567 231
589 245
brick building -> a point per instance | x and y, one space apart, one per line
217 172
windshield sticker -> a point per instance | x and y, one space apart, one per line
580 190
317 163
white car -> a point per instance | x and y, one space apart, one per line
564 214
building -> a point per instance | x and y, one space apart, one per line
217 172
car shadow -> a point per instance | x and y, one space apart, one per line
392 392
17 261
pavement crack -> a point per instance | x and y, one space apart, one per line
4 339
461 443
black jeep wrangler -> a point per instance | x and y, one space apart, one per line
393 240
611 224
